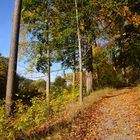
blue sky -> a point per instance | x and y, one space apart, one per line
6 12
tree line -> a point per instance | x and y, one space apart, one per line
99 39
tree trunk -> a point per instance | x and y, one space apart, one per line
10 90
48 84
80 55
89 82
74 78
63 72
89 66
46 37
124 75
123 69
74 71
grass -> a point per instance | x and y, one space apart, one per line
31 122
51 128
62 122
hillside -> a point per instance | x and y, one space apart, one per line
113 116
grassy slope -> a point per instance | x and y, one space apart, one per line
63 122
63 119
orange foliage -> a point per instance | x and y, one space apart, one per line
132 18
96 50
23 44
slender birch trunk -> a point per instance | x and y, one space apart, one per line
74 71
89 66
74 78
80 55
48 69
48 84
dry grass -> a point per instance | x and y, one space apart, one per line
61 122
74 108
51 129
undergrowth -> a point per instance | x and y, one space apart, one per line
28 120
27 117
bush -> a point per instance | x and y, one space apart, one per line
60 97
27 117
24 119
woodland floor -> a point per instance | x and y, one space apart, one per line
112 118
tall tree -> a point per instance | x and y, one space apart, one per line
80 54
10 90
47 40
41 27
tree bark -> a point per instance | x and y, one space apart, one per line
10 90
74 78
48 69
63 71
48 84
89 82
80 55
123 69
124 75
89 66
74 70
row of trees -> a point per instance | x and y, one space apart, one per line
104 25
94 36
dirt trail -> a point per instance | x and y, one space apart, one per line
112 118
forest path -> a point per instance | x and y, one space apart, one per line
112 118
